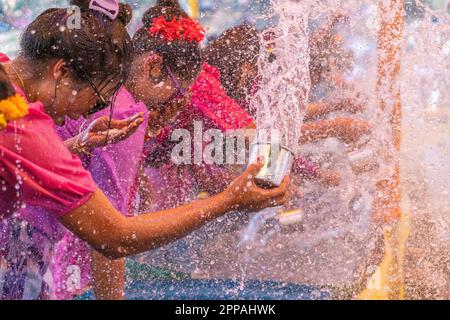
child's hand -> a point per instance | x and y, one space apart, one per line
245 195
159 119
351 130
102 132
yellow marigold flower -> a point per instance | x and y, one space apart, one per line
11 109
2 121
21 105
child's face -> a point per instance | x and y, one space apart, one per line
156 85
165 114
65 96
154 93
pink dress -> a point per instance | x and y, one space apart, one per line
36 169
3 58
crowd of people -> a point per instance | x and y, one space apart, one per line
86 119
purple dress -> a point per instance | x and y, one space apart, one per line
114 168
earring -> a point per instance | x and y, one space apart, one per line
56 86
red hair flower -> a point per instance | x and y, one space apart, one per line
177 29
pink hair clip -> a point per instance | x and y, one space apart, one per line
109 8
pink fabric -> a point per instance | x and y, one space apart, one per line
114 168
36 168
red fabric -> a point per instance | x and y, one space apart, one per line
37 169
211 103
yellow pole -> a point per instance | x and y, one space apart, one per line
193 5
387 283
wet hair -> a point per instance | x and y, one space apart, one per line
183 57
99 52
6 87
229 52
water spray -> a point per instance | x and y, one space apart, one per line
284 88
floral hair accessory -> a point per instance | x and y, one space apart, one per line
11 109
177 29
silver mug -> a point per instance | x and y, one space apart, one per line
278 161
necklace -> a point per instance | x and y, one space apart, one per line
18 75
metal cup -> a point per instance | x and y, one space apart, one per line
278 162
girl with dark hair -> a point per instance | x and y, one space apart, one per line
168 60
73 72
211 105
235 54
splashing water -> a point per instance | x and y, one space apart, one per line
284 84
425 155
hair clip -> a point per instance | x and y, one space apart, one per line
110 8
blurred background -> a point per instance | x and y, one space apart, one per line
215 15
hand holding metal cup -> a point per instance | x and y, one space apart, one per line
246 195
278 161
